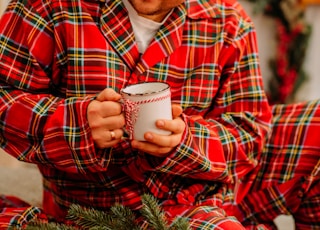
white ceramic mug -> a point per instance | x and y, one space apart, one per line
144 104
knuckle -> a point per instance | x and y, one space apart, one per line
119 122
97 138
94 123
113 108
93 110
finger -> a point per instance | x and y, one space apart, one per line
108 138
113 122
104 109
107 144
108 94
99 125
169 141
150 148
176 110
115 134
175 126
110 108
112 135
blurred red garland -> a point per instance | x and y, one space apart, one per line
292 35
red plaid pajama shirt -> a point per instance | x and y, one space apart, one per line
55 55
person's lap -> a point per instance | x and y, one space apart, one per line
287 180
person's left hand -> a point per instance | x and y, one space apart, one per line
162 145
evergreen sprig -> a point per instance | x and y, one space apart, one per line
86 218
153 213
37 225
118 218
122 218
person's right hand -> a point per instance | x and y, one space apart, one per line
106 119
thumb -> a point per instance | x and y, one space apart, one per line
108 94
176 110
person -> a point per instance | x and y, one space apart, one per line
232 160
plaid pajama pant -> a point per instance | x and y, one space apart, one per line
287 180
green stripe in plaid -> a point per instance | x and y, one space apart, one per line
19 221
203 217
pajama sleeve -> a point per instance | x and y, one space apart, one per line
38 125
225 142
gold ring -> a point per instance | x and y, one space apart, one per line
113 135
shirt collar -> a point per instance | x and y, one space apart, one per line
202 9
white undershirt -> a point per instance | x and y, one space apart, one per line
144 29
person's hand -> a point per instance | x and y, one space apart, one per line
106 119
162 145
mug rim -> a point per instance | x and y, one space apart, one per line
145 93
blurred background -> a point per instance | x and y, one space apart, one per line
288 33
302 18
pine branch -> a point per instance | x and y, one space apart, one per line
123 218
87 218
118 218
37 225
153 213
180 223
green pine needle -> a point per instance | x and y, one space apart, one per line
118 218
153 213
180 223
37 225
86 217
123 218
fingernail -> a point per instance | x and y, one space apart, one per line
149 136
160 123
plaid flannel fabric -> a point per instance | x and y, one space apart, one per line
287 180
206 51
75 49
